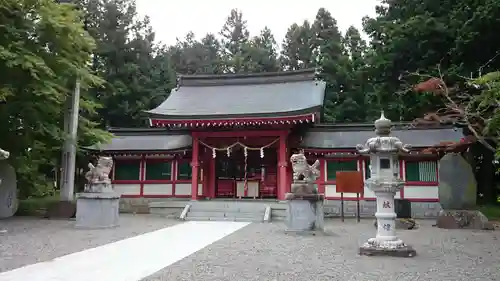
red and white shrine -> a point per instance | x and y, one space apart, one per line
230 136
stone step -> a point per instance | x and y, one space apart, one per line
231 206
225 214
228 209
204 218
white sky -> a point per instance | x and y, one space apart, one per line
174 19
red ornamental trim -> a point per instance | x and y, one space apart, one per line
137 154
353 153
309 118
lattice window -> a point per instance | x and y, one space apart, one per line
127 170
422 171
334 166
158 171
184 171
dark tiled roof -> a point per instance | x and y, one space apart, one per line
243 95
144 140
349 137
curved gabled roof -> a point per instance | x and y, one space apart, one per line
344 137
202 97
144 140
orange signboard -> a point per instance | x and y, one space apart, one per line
350 182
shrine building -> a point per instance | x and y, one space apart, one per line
231 136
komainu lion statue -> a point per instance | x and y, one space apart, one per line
100 174
302 170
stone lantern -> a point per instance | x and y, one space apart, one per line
385 181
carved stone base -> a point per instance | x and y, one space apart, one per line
466 219
405 224
99 187
387 248
302 187
305 196
97 210
305 213
61 210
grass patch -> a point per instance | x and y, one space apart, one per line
35 206
492 212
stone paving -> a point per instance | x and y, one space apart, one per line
32 240
264 252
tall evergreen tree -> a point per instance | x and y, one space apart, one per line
235 37
355 47
190 56
260 53
125 59
334 66
297 48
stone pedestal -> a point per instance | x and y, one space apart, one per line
394 248
386 243
466 219
97 210
305 213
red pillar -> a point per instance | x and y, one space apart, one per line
204 175
195 166
282 167
211 172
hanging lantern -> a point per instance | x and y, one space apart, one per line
261 152
214 153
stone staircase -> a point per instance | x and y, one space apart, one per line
227 211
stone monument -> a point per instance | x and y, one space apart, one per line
98 205
305 212
457 195
385 182
8 187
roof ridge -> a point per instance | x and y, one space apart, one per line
247 78
397 125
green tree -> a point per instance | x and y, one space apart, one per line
43 48
190 56
416 36
235 37
360 91
446 40
137 72
298 47
260 54
355 47
334 65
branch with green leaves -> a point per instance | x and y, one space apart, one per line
473 103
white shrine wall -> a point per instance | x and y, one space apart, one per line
415 191
140 187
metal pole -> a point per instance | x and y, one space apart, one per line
69 152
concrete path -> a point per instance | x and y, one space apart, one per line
130 259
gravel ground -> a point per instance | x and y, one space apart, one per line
263 252
32 240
